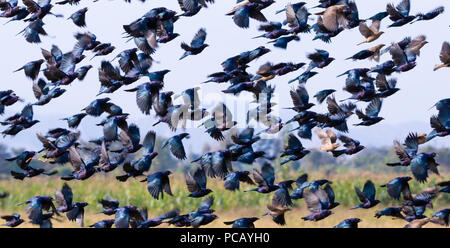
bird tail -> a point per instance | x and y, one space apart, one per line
337 153
21 68
393 164
437 67
18 175
184 56
207 81
67 178
279 11
259 36
156 123
349 58
122 178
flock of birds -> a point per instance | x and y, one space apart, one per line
116 149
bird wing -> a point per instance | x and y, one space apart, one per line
445 53
199 38
365 30
259 179
369 190
419 170
375 26
403 7
191 183
149 142
374 107
177 148
412 143
75 159
362 197
154 186
206 204
294 142
324 138
398 55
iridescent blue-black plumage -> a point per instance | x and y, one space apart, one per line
294 150
398 186
441 217
400 13
367 196
370 117
158 183
197 44
232 180
78 17
390 211
12 220
32 68
348 223
103 224
242 222
196 183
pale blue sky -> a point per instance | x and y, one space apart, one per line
407 110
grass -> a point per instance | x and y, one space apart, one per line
229 205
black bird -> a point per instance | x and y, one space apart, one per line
419 163
74 211
32 68
127 216
367 196
232 180
351 146
197 44
370 117
398 186
399 14
36 206
157 183
176 146
242 222
74 120
139 166
349 223
103 224
319 203
79 16
429 15
300 99
154 222
294 150
12 220
109 205
249 9
196 183
23 160
390 211
385 87
265 179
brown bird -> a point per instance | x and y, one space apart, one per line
333 17
376 50
422 138
419 223
444 56
416 44
328 139
371 33
277 213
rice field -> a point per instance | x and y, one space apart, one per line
228 205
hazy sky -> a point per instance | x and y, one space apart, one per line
408 108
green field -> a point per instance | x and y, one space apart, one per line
229 205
